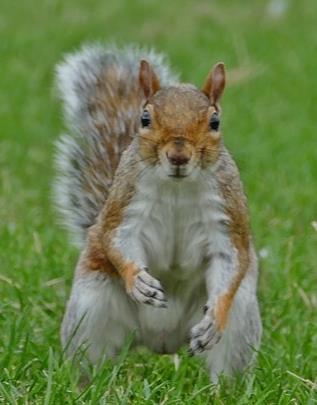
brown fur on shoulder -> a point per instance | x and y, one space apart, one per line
101 253
236 207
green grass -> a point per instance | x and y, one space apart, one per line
270 126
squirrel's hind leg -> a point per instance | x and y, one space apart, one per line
98 319
236 349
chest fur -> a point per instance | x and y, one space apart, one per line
174 227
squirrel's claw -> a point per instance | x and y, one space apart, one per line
204 335
148 290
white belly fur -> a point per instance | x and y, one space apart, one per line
172 227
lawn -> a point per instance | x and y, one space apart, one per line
269 125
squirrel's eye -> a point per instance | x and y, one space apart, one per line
214 122
145 119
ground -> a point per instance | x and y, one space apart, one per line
269 124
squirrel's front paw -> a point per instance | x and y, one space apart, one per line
204 335
147 290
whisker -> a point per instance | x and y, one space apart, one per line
149 158
142 172
146 138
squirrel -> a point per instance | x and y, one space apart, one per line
155 203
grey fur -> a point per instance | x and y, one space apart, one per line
102 113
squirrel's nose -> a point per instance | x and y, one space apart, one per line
177 158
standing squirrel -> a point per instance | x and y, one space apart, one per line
155 203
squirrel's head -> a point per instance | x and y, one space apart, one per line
179 125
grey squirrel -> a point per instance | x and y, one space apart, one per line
154 201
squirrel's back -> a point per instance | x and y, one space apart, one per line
102 104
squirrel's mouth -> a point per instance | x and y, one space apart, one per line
177 176
178 172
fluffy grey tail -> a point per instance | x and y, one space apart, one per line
102 104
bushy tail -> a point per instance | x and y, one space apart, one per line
102 103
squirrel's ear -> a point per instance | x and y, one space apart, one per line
149 82
215 83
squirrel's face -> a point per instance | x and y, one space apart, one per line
179 126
